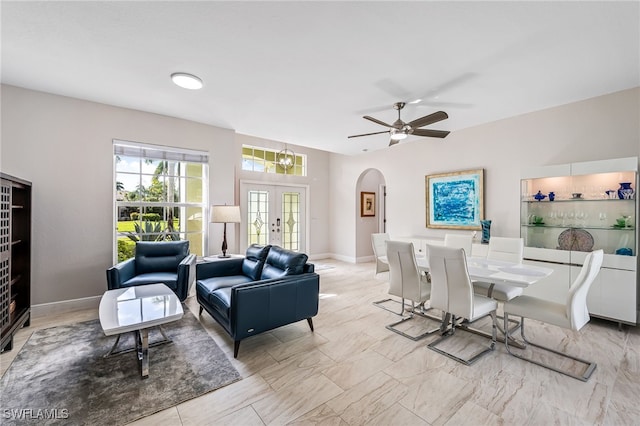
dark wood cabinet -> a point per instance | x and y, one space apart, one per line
15 257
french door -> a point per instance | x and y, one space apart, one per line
273 214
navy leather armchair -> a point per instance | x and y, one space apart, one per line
269 288
166 262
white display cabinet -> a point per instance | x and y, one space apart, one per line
586 214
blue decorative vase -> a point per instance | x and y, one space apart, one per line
552 196
624 251
539 196
486 231
625 191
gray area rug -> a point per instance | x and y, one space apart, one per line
61 377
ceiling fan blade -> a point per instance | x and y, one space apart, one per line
368 134
431 133
375 120
428 119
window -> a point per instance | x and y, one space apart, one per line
264 160
160 194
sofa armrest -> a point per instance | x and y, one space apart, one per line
120 273
219 268
265 305
186 276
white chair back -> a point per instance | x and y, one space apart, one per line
378 241
451 287
507 249
459 241
404 276
577 311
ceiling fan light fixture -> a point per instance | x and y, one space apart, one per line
398 135
186 81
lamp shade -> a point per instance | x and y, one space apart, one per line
225 214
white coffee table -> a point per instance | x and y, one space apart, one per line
136 309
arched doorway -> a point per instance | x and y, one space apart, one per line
370 181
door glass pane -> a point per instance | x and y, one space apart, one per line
291 219
258 217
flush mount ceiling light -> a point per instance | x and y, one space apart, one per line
186 81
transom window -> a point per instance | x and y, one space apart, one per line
160 194
264 160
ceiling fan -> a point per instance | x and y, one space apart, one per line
400 130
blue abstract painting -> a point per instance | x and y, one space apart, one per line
454 200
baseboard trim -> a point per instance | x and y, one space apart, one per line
320 256
65 306
343 258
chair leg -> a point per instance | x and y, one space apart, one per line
236 347
393 328
380 304
200 310
590 366
310 321
447 334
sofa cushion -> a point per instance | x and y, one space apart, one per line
163 256
167 278
254 260
281 262
220 300
208 285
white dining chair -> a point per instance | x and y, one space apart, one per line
463 241
452 292
407 282
509 250
572 315
378 241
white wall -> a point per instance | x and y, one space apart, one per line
599 128
64 147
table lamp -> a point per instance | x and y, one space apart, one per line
225 214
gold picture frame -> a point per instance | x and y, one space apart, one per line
455 200
367 204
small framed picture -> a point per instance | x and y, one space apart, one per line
367 204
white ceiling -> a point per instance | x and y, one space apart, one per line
306 72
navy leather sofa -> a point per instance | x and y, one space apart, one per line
269 288
166 262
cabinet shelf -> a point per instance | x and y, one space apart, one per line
581 200
589 227
15 209
573 226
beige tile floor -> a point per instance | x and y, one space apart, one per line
352 371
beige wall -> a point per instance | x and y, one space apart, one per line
64 147
599 128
